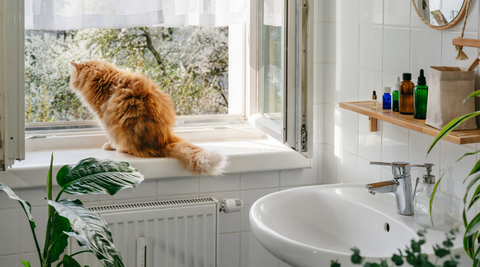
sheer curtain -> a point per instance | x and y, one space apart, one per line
81 14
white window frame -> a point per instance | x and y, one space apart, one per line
13 110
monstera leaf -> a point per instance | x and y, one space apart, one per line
90 230
25 205
95 176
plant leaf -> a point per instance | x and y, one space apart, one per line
473 226
59 225
476 168
27 208
452 125
95 176
90 230
476 93
70 262
25 263
475 197
469 245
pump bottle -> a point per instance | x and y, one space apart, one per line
423 192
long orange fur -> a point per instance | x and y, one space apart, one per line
137 116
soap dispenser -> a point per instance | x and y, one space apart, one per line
423 192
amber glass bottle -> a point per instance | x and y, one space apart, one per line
406 94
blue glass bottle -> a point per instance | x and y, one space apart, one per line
387 98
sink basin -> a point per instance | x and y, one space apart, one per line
310 226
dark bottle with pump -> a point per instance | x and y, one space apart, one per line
420 96
406 95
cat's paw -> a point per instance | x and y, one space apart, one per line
108 146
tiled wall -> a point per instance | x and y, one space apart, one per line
367 44
238 246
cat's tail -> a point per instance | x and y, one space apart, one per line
196 159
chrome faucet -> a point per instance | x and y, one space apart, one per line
400 186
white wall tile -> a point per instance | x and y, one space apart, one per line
368 173
395 143
330 83
347 171
346 130
229 250
371 11
40 215
369 143
396 50
227 182
397 12
347 44
320 14
419 144
347 89
331 8
257 180
299 177
175 186
320 129
369 81
253 254
249 197
371 47
331 42
319 49
452 182
10 261
416 22
330 124
319 83
10 231
391 80
424 54
148 188
321 170
347 11
330 165
36 195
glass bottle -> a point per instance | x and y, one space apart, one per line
406 95
420 96
374 100
395 100
422 204
387 98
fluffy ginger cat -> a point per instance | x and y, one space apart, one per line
137 116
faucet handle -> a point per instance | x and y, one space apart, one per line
399 169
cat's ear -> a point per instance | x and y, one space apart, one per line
73 66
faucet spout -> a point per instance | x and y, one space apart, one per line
382 187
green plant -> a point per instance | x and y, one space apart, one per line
69 218
472 227
412 255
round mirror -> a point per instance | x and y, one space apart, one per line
440 14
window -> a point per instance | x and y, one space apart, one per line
265 80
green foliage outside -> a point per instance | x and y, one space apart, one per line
190 64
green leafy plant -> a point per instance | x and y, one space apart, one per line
412 255
70 218
472 227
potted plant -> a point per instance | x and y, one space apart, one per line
70 218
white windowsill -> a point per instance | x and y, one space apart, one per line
244 156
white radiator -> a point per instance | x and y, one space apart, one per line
172 233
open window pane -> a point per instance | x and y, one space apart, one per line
191 64
273 72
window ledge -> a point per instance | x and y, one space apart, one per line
244 156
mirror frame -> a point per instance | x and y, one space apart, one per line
454 22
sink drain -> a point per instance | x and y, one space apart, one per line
386 227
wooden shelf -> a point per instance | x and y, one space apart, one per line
407 121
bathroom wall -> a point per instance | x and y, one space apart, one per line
238 246
368 43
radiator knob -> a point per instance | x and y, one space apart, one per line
229 205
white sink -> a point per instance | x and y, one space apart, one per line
310 226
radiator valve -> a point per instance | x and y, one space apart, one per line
229 205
